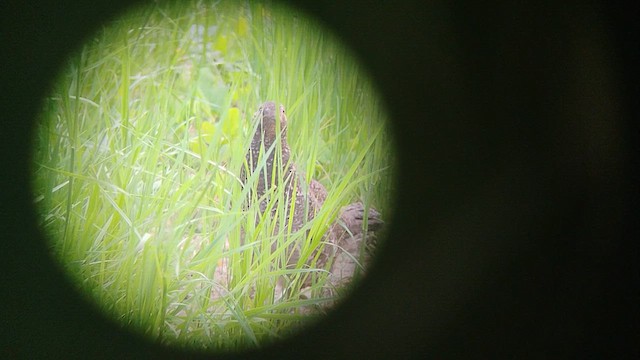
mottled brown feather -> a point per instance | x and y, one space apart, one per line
346 232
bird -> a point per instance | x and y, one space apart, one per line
270 141
344 237
356 245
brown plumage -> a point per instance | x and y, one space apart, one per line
278 168
270 140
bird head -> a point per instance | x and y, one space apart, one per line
272 121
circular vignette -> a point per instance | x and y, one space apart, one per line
134 164
517 283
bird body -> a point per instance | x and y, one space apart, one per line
269 158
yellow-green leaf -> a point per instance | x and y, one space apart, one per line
194 145
232 122
206 131
221 44
243 26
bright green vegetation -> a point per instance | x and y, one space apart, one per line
137 159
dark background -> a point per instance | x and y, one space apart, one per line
516 195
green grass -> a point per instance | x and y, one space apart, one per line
137 158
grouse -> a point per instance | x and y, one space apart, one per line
269 158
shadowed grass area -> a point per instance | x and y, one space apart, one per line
139 150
